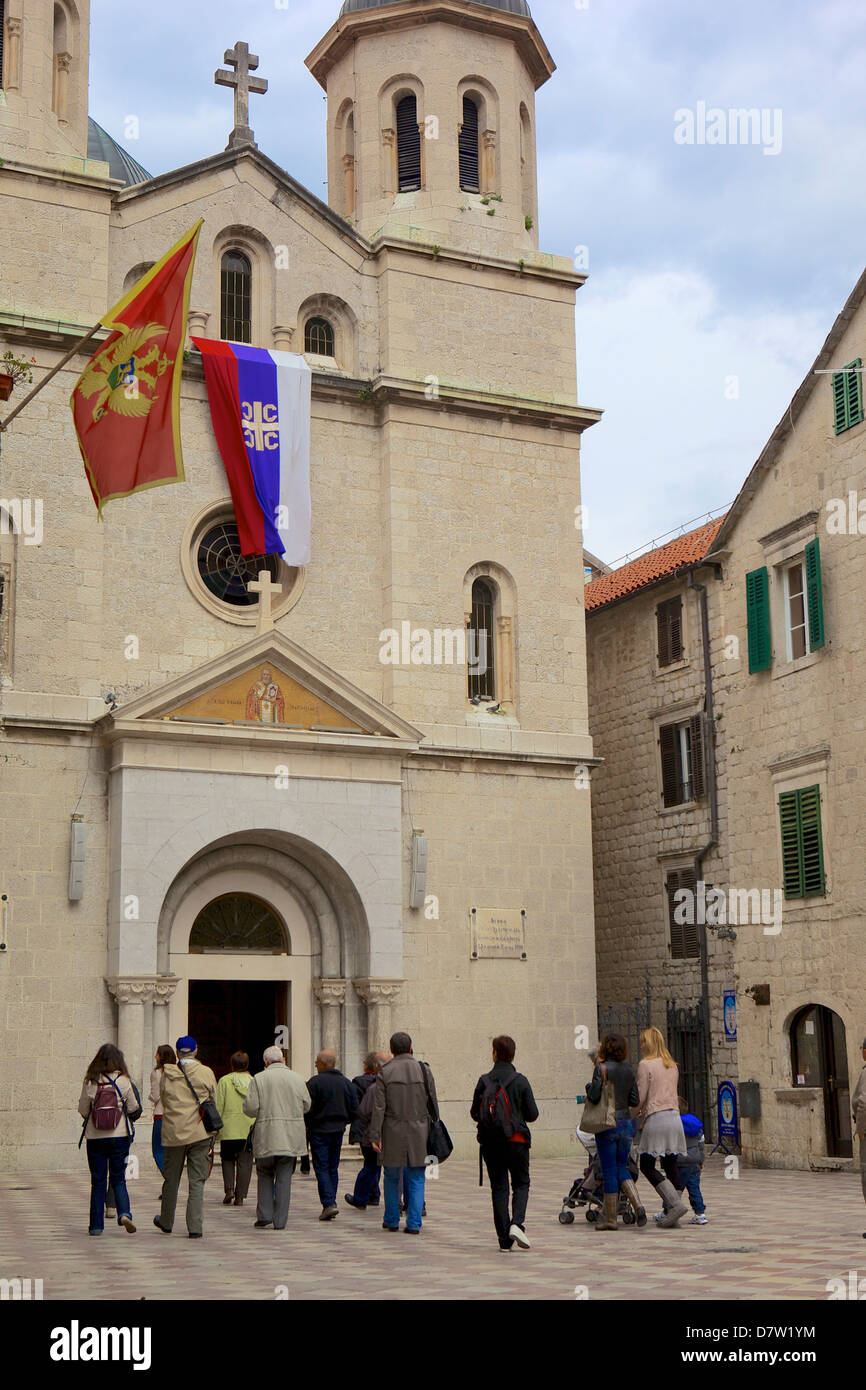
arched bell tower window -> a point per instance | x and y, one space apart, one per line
238 923
319 338
470 155
236 295
481 645
2 38
408 144
62 61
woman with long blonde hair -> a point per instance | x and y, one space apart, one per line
662 1134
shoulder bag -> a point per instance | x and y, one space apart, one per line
439 1145
207 1110
601 1114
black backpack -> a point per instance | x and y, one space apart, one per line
495 1120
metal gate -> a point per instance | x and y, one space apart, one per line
687 1041
628 1019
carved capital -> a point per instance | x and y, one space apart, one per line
378 991
388 136
142 989
330 992
13 25
283 334
64 62
197 322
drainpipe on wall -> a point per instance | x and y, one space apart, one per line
712 788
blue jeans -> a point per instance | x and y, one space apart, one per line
156 1143
614 1146
325 1150
690 1176
367 1181
414 1179
106 1159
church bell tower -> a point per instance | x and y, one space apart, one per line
44 62
431 120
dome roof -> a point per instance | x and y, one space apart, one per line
121 165
510 6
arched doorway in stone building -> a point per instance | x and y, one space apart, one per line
819 1058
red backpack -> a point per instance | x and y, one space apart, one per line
107 1108
495 1120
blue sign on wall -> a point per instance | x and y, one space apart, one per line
730 1015
728 1118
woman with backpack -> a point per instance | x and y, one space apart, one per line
164 1053
614 1145
662 1134
108 1105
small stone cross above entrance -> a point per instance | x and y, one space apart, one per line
266 589
243 63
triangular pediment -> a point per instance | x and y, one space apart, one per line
269 683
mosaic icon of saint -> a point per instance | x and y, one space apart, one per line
265 701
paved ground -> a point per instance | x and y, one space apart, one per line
772 1235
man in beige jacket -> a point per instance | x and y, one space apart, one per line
277 1100
858 1101
184 1137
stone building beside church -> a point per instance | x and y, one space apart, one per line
732 755
249 828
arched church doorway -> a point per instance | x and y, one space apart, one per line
819 1058
238 1015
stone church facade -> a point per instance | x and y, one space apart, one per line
257 834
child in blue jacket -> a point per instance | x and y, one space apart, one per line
690 1164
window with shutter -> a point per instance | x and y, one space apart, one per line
681 747
668 744
848 396
814 596
469 148
408 145
802 846
669 621
684 935
758 619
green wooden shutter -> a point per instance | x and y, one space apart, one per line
670 773
802 845
758 619
811 844
814 596
789 820
848 396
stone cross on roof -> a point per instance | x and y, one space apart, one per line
243 63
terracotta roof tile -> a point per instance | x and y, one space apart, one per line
650 568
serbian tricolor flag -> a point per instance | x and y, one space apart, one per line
260 408
126 403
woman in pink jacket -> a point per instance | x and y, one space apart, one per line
662 1134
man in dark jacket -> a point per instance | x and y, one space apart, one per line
404 1102
366 1192
334 1104
503 1107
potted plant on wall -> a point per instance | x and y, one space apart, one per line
12 370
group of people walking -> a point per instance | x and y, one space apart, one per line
271 1120
647 1101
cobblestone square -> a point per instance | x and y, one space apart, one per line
771 1235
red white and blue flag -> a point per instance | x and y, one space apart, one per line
260 408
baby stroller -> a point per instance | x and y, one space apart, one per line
587 1190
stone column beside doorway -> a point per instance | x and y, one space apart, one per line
378 995
331 994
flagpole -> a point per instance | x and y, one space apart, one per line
4 424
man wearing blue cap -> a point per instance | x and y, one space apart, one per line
183 1089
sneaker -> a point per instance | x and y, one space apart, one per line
658 1216
126 1223
519 1236
698 1220
328 1213
350 1200
159 1226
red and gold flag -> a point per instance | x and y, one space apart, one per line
126 404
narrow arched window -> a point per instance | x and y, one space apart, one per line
481 641
2 37
408 144
236 297
469 148
319 338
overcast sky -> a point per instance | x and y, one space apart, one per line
716 270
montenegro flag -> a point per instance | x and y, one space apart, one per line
126 404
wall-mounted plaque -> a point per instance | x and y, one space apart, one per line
497 932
